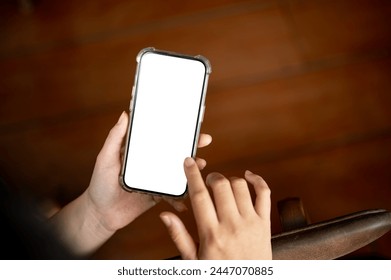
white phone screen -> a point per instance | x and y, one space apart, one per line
167 102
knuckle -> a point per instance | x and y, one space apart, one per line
175 235
214 238
264 190
238 181
199 196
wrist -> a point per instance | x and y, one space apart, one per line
79 227
94 220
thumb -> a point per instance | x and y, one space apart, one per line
110 152
179 235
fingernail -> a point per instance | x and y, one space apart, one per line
121 118
189 162
248 172
166 220
201 163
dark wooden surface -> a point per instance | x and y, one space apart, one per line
300 93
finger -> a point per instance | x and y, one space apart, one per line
202 204
110 152
242 195
204 140
262 202
201 163
223 196
179 235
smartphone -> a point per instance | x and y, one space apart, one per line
166 112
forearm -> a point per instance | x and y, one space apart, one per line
80 228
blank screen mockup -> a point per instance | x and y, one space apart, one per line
167 102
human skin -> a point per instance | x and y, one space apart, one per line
104 207
229 225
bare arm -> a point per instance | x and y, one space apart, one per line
91 219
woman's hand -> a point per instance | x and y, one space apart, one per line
229 226
117 207
88 221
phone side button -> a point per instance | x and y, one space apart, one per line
131 104
132 98
202 114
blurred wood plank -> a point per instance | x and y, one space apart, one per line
337 181
99 74
55 160
325 29
267 122
299 114
75 22
299 94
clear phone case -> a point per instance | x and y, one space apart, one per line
144 51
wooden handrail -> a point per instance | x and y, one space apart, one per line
331 239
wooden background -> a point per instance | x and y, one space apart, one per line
300 93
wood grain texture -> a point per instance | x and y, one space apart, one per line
299 93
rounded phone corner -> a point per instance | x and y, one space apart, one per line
122 183
144 51
183 195
177 196
206 62
127 188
